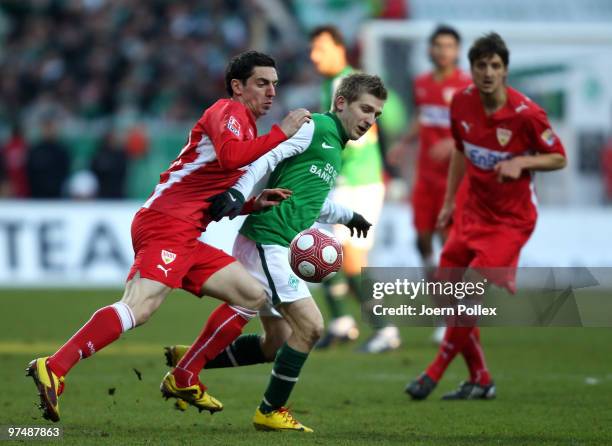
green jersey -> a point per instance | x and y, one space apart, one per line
307 164
362 159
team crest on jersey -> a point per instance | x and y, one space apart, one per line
503 136
548 137
293 282
167 256
233 126
447 94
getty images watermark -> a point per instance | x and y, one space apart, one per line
434 289
489 296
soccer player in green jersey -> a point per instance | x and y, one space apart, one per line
360 187
307 164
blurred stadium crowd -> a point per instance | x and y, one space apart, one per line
103 67
95 92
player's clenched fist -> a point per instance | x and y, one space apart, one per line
294 120
509 170
445 215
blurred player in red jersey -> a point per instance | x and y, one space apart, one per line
433 92
165 235
501 138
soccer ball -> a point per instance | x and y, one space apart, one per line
315 255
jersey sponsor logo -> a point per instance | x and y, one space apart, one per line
326 146
434 115
167 256
166 271
484 158
447 94
503 136
327 174
548 136
233 126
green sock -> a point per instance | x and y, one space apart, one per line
376 322
245 350
285 372
335 296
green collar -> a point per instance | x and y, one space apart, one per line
341 132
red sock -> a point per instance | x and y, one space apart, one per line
454 341
104 327
474 358
223 326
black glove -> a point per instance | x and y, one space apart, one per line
226 204
359 224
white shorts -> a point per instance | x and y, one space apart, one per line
269 264
366 200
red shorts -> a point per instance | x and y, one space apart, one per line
492 250
167 250
426 204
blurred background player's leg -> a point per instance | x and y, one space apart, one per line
367 200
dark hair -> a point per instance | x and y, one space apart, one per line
241 67
356 84
444 30
334 32
487 46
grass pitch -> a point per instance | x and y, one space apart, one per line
554 385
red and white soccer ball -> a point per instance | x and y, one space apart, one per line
315 255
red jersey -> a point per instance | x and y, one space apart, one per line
15 153
433 98
220 144
520 127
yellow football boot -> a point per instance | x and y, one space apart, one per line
194 395
278 420
49 385
174 353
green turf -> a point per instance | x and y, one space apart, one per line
554 385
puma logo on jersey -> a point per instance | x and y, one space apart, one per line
521 107
166 271
326 146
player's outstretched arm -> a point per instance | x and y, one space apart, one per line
257 170
333 213
233 153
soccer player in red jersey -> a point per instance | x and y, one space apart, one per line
433 92
165 235
501 139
